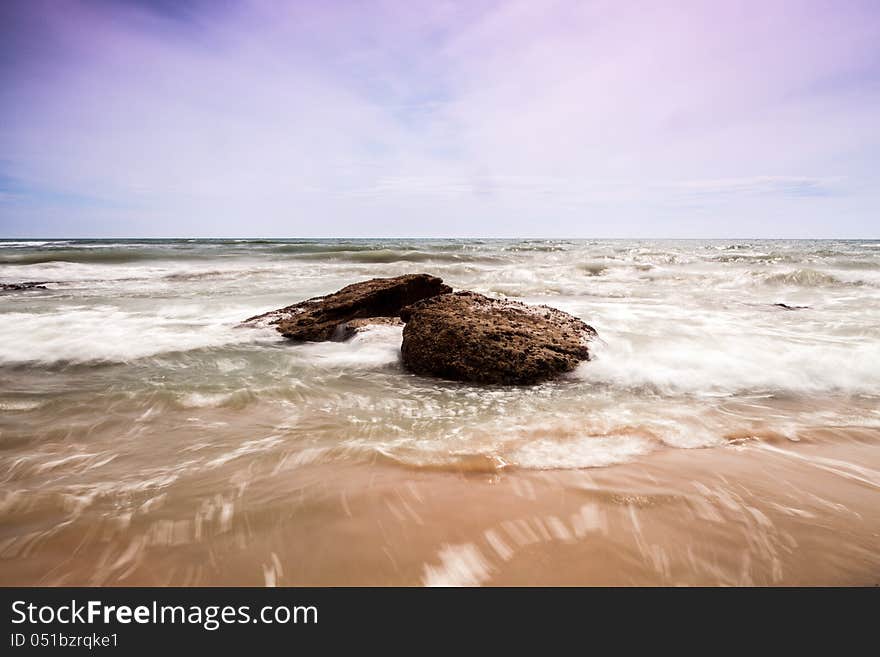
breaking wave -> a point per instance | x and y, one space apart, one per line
802 278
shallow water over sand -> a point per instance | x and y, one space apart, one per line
715 438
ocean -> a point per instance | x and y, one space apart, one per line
726 430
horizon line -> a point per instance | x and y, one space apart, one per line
447 237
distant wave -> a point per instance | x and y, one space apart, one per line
96 256
26 244
317 247
542 248
758 258
384 256
803 278
593 268
204 275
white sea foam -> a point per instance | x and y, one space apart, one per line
81 334
18 405
205 400
371 347
583 452
731 362
684 327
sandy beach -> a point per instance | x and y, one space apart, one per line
744 514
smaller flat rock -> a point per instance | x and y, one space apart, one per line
336 316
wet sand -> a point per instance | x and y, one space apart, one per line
749 513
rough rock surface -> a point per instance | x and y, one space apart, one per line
470 337
27 285
334 317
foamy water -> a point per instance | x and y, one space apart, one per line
127 390
687 329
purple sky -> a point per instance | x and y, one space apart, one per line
408 118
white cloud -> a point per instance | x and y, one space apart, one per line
577 118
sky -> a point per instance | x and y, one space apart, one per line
347 118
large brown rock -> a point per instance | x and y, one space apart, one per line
470 337
327 318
